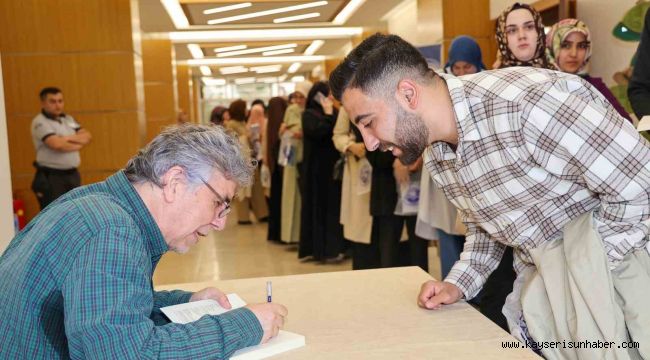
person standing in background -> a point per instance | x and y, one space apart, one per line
291 132
277 108
569 50
639 89
57 138
321 234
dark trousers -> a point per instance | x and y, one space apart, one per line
50 183
385 248
496 289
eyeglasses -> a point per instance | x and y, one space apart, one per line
221 201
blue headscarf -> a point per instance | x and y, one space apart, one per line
465 48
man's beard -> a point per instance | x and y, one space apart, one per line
411 135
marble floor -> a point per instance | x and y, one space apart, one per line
243 252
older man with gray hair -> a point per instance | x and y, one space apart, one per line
77 281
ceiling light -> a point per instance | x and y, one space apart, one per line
294 67
282 78
230 48
267 12
205 70
298 78
278 52
295 18
207 81
313 47
256 60
246 80
233 70
268 80
257 50
196 51
176 13
261 35
347 11
227 8
266 69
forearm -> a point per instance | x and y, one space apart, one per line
82 137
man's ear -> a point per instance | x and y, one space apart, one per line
408 93
174 182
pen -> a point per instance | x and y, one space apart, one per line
269 291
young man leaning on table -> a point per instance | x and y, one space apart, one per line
535 159
77 281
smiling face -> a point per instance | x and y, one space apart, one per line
193 210
521 34
387 127
573 52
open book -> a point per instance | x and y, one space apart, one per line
644 123
192 311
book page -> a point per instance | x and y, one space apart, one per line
644 123
192 311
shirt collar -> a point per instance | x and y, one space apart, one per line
467 131
120 187
52 117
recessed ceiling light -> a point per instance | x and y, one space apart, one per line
196 51
233 70
246 80
256 60
227 8
267 34
313 47
278 52
298 78
266 69
296 18
266 12
205 70
257 50
347 11
176 13
230 48
282 78
294 67
207 81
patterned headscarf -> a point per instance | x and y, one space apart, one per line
506 56
559 33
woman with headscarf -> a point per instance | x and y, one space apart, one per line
277 107
520 38
291 135
321 234
569 50
464 56
243 203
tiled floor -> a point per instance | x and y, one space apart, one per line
243 252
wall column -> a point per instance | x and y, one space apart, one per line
159 85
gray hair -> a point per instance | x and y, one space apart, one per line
198 149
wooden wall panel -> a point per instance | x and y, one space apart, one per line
159 85
184 90
89 49
159 100
157 60
65 25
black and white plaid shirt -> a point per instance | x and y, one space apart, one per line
536 149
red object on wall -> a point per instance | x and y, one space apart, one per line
19 211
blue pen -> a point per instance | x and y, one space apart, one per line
269 291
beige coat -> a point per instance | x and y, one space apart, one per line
355 208
290 228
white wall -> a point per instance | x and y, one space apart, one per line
6 204
403 21
609 54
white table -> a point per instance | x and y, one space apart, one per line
372 314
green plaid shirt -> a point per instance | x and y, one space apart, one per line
76 283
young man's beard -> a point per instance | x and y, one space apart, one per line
411 135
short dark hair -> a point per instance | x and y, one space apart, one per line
237 110
370 64
49 90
